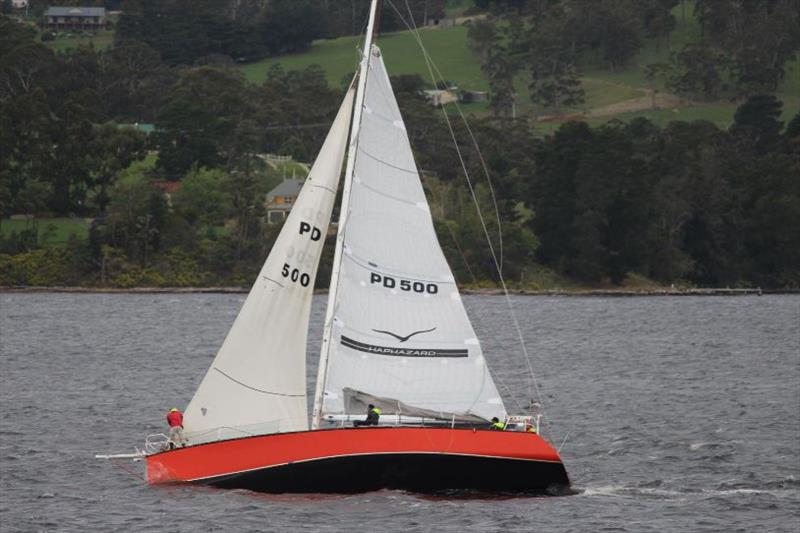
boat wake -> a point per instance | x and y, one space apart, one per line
788 487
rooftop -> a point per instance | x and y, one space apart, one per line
288 187
71 11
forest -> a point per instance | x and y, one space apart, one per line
688 203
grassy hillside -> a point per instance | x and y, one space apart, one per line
52 231
339 57
619 94
66 40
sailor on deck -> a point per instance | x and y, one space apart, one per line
497 425
373 415
175 421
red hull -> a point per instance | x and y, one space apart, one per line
355 460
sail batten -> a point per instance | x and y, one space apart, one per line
397 329
257 381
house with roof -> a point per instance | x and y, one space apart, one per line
75 18
440 97
281 199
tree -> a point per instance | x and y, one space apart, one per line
658 20
758 120
697 72
557 86
612 28
757 37
112 150
793 128
134 81
553 192
500 72
25 67
291 25
199 120
482 37
204 198
289 99
652 72
137 216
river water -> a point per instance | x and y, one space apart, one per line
679 414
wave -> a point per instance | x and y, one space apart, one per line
780 489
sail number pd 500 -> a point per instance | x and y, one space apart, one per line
403 284
294 274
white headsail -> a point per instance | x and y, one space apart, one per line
399 333
257 381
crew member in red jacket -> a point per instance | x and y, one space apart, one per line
175 421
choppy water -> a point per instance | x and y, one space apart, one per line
679 413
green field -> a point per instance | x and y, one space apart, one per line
339 57
449 49
52 231
66 40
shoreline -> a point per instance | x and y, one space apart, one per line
484 292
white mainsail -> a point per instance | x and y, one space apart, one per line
257 381
399 333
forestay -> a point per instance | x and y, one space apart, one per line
257 381
399 330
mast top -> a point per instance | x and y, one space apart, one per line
376 30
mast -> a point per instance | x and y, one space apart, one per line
333 290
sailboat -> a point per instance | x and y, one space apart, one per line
396 336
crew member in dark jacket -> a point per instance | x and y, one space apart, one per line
373 416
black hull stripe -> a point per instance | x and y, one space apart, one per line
327 457
425 472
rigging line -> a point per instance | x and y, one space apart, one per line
131 472
430 64
483 385
460 251
508 391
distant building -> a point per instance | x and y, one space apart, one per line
19 4
281 199
169 188
441 22
143 127
474 96
75 18
440 97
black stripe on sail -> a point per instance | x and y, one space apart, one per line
401 352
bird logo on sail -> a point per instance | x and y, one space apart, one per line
401 338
